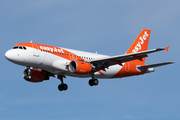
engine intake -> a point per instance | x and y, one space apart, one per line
80 67
34 75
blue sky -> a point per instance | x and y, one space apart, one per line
108 27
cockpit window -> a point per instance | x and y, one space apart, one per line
16 47
19 47
24 48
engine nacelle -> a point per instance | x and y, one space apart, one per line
80 67
34 75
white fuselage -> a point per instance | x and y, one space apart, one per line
39 59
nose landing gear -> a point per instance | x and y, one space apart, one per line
62 86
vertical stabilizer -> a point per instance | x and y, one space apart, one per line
140 44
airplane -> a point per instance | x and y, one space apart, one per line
44 61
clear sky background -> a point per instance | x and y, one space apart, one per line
108 27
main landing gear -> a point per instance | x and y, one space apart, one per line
62 86
93 81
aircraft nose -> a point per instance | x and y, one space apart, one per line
9 55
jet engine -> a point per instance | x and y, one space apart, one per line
80 67
34 75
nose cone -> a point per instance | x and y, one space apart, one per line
15 56
12 56
9 55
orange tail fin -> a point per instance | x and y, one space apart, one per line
140 43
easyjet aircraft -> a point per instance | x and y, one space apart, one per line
44 61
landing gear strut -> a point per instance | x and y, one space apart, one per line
62 86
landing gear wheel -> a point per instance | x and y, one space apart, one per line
93 82
62 87
96 82
65 86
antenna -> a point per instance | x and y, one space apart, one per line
31 41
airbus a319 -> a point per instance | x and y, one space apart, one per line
44 61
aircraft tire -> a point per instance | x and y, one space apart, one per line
93 82
62 87
65 86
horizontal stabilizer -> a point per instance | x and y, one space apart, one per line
153 65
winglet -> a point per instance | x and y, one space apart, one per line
166 48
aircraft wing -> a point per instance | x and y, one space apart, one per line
109 61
